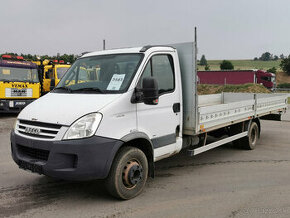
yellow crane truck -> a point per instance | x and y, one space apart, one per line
19 83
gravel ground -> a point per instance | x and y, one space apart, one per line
224 182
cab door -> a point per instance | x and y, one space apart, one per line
48 75
161 122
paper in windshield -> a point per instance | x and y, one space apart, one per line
116 82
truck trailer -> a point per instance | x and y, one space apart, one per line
142 107
224 77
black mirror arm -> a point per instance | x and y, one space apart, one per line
137 96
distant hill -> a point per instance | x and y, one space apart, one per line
244 64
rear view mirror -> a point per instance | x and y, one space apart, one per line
150 91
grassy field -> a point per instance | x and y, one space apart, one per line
244 64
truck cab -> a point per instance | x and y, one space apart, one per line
53 71
267 79
19 83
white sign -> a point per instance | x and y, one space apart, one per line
116 82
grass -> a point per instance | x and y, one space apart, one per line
244 64
203 89
289 100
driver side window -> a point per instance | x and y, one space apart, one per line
161 68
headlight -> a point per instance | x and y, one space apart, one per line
15 124
84 127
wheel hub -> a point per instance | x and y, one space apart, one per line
132 174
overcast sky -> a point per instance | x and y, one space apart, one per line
227 29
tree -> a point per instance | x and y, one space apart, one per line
272 70
267 56
255 59
285 65
207 67
203 61
282 56
275 58
226 65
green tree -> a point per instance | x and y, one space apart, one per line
267 56
203 61
272 70
285 65
207 67
226 65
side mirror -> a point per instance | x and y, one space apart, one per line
150 91
52 84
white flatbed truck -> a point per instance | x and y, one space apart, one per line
137 106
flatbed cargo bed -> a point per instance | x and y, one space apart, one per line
218 110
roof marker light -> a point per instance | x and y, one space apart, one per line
6 56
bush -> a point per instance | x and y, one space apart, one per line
285 65
226 65
284 86
272 70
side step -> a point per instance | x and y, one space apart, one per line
204 148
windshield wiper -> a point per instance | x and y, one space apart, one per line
95 89
63 88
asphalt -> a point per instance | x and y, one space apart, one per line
224 182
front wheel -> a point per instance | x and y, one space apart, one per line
128 174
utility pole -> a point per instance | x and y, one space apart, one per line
104 44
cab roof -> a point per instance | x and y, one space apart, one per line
18 64
143 49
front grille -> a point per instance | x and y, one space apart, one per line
38 129
34 153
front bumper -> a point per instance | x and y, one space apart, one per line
82 159
13 105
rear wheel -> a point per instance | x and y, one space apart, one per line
249 142
128 174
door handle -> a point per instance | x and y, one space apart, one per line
176 107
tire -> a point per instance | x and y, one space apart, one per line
128 173
250 141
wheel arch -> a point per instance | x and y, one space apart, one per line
141 141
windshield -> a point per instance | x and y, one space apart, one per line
13 74
102 74
273 79
61 71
